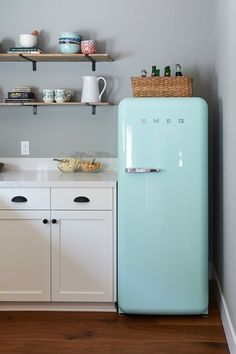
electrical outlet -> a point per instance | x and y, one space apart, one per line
24 147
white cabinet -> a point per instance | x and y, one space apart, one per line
24 198
82 198
83 244
57 245
24 256
82 256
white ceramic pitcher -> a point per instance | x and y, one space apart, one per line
90 92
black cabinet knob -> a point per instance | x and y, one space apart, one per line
54 221
45 221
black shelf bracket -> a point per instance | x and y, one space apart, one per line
92 61
32 61
35 110
93 110
93 107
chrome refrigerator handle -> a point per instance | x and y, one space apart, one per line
141 170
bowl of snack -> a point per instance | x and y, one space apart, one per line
90 165
68 164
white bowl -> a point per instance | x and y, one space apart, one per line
28 40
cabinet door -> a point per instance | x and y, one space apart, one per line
82 256
24 256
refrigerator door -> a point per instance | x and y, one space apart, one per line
163 206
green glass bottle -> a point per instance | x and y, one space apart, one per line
154 69
167 71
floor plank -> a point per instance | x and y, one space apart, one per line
110 333
49 347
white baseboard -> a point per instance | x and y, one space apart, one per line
58 306
225 317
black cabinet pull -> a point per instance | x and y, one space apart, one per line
19 199
81 199
45 221
54 221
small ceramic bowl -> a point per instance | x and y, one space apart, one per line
28 40
69 42
88 46
70 37
69 34
69 48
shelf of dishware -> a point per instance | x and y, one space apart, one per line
35 104
45 57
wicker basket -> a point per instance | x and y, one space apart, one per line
180 86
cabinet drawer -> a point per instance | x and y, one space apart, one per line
24 198
81 198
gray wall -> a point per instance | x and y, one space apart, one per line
136 34
224 104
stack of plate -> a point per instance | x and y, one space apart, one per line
69 42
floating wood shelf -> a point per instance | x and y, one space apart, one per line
34 58
36 104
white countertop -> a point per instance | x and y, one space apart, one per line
43 178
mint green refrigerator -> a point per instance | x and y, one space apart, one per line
163 206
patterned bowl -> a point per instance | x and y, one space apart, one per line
88 46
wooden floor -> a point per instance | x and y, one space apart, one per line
110 333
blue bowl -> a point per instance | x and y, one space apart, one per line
69 48
69 40
70 35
